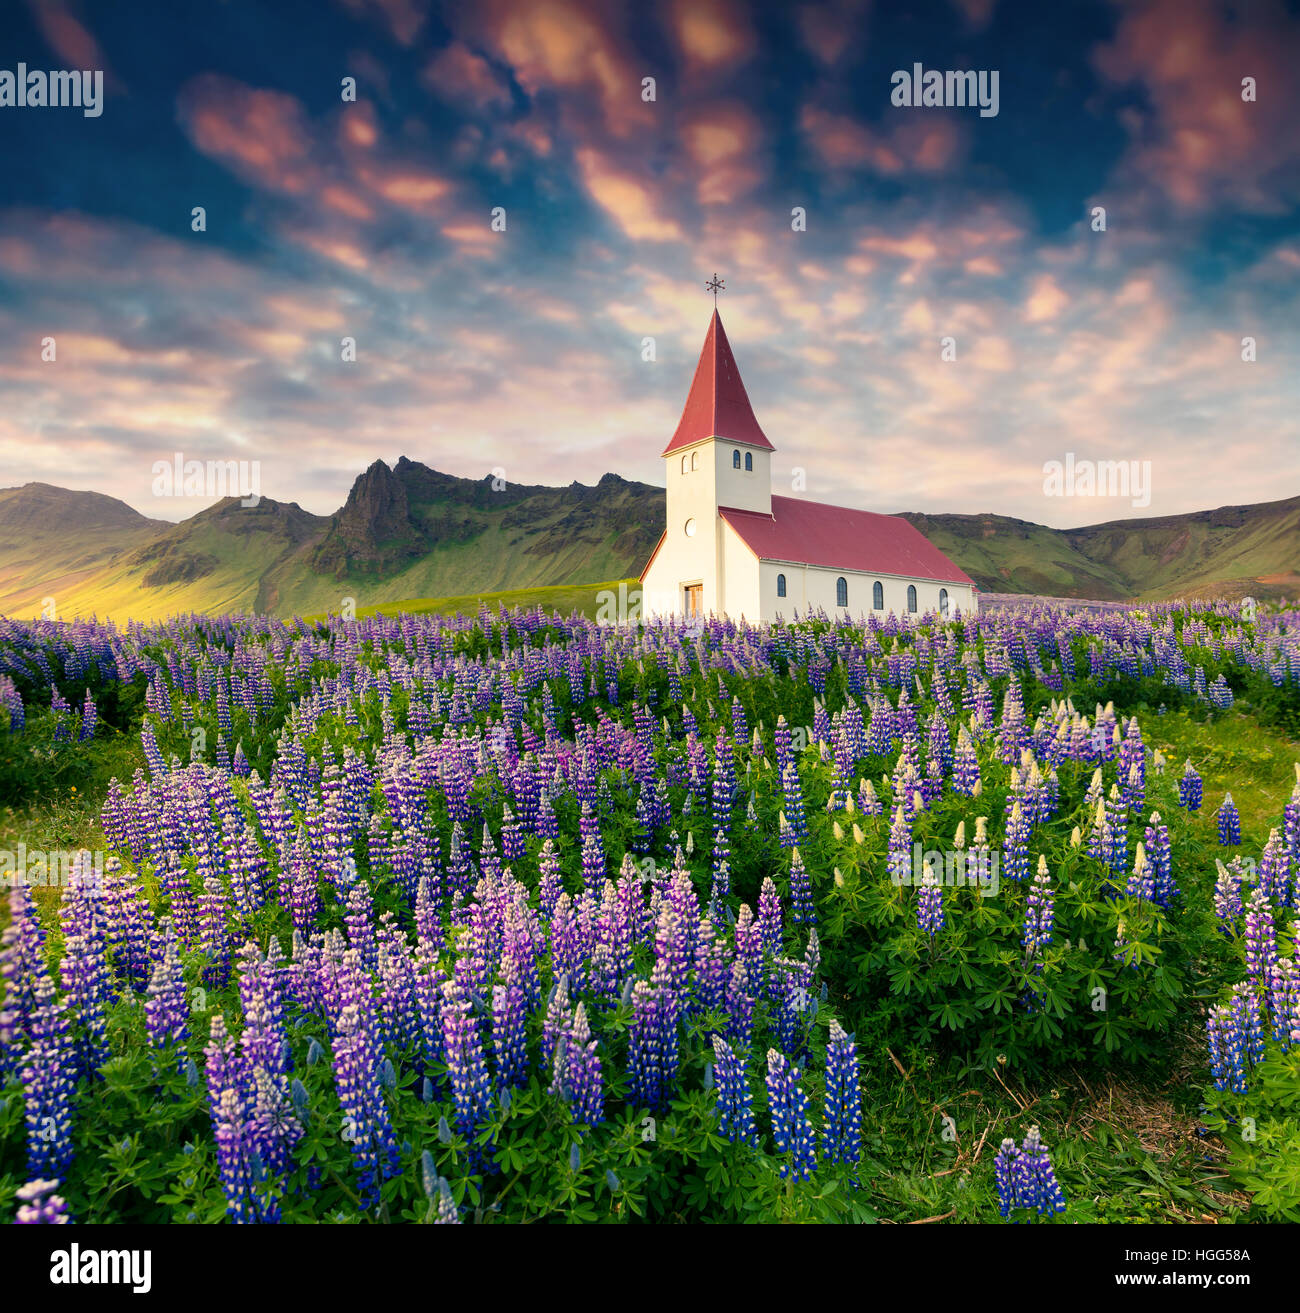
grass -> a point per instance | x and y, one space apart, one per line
562 598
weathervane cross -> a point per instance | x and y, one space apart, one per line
717 285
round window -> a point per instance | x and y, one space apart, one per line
690 528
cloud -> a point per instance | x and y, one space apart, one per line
70 39
1196 143
458 75
262 136
928 144
723 142
630 202
565 45
711 34
402 19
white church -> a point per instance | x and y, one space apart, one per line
731 548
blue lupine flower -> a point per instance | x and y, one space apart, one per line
1229 822
735 1100
1025 1178
1189 789
791 1129
842 1121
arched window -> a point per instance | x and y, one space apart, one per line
877 596
943 601
685 465
695 460
911 597
841 591
749 460
735 460
780 585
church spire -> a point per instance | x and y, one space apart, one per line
717 405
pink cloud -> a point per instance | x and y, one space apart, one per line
570 45
1201 143
458 75
634 205
923 145
70 39
828 30
260 135
711 34
722 142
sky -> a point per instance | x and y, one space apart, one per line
514 227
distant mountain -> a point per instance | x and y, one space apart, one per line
408 531
1231 551
412 532
54 542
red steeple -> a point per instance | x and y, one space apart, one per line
717 406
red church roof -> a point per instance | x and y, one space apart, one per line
838 538
717 405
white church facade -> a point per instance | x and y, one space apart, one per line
731 548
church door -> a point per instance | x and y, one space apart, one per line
694 601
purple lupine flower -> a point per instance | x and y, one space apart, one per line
791 1129
166 1015
769 917
929 904
39 1205
367 1126
1229 822
1189 789
1159 856
1284 1002
49 1077
1228 905
740 1005
652 1044
471 1087
965 767
214 933
801 899
1227 1050
89 715
22 958
1141 883
1025 1177
1004 1173
583 1080
900 849
234 1156
1261 938
793 806
735 1099
842 1105
1274 870
509 1043
84 972
1244 1003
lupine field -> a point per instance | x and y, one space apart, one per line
513 917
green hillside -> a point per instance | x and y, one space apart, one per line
412 532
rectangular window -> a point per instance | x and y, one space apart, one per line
694 601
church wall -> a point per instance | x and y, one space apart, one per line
742 489
681 558
809 587
741 574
